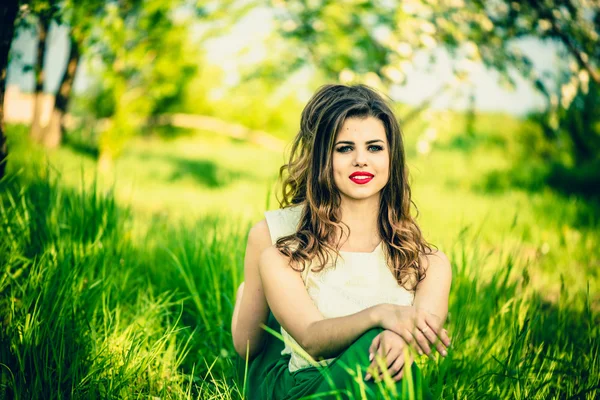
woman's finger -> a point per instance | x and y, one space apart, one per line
422 341
385 349
396 366
374 346
377 353
406 335
434 339
400 374
434 323
445 338
429 330
393 355
373 369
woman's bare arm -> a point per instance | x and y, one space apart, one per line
428 314
326 338
251 309
236 308
432 292
431 296
298 315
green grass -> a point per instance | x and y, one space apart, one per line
122 285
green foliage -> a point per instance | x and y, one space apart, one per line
98 102
377 42
146 64
33 11
558 148
112 292
577 125
583 180
105 309
262 105
382 38
66 296
200 174
510 340
94 305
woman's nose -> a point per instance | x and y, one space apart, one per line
360 158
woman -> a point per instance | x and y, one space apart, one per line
343 266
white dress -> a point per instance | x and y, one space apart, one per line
358 281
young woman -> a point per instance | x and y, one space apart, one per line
342 266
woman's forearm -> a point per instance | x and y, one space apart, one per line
297 313
250 313
236 308
329 337
433 291
251 310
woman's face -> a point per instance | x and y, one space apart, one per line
361 159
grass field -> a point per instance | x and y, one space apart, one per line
122 285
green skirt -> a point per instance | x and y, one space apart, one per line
268 377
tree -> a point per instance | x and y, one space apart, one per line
8 15
80 17
363 37
573 97
147 59
45 11
376 42
53 132
145 62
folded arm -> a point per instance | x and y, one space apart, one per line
294 309
431 305
432 292
428 315
251 309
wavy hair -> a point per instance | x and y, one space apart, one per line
307 179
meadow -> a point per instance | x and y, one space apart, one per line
122 285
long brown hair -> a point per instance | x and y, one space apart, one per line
307 179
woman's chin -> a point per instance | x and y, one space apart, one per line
360 195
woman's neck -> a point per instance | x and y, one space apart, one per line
362 219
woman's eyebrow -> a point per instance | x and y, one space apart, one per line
350 142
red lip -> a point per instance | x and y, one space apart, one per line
361 173
365 177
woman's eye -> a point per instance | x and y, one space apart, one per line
344 149
374 148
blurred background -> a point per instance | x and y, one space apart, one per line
181 112
163 96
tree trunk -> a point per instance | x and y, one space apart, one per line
36 125
8 14
53 133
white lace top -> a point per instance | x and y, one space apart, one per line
358 281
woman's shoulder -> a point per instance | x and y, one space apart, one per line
437 256
436 262
271 260
259 234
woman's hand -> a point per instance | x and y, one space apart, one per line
387 349
417 327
